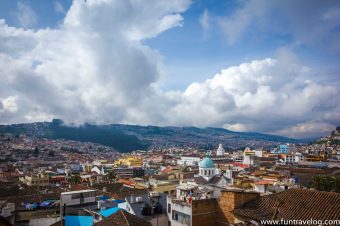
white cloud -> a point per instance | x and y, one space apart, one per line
234 25
9 104
309 23
263 95
205 20
58 7
96 68
237 127
307 130
25 15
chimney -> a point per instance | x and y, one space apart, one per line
234 199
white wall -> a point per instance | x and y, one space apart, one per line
43 221
189 161
260 188
69 201
259 153
179 208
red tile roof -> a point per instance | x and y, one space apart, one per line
264 182
123 218
293 204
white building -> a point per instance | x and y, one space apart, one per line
250 157
73 198
7 210
259 152
188 160
299 157
220 150
151 207
293 158
98 170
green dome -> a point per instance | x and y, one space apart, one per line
207 162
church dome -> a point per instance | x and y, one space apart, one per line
207 162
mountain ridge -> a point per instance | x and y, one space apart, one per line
127 138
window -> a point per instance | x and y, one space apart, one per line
169 208
181 217
174 215
76 196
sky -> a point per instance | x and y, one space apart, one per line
242 65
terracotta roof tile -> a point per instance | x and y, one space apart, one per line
299 204
123 218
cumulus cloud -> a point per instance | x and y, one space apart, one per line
263 95
9 104
25 15
96 68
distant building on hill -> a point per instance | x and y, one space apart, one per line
220 150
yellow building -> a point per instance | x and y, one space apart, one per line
40 180
165 187
315 158
247 151
129 161
99 162
87 167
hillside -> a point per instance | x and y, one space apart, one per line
131 137
332 139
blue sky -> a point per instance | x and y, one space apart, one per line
182 52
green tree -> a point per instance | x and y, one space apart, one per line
326 183
75 179
36 152
51 153
185 169
337 184
317 181
111 176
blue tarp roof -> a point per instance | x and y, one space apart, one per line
109 212
103 197
78 220
118 201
